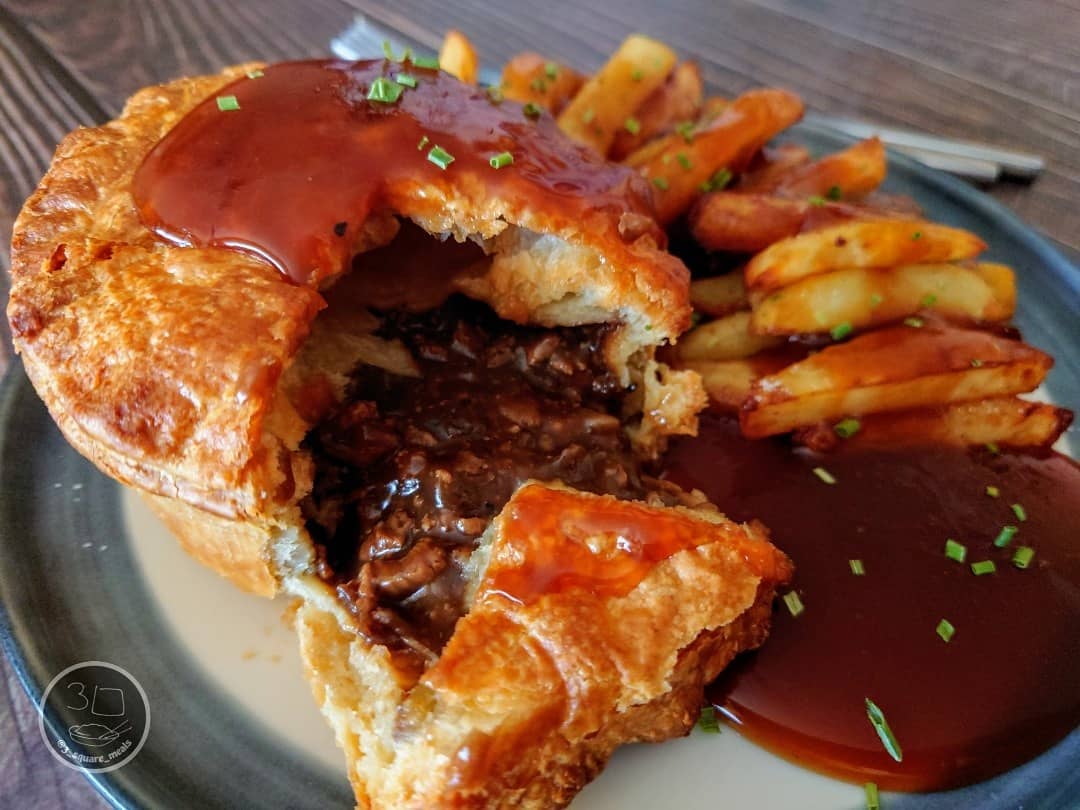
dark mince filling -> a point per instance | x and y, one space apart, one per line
409 471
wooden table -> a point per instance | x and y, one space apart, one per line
1003 72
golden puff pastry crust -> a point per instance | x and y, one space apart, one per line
174 368
593 627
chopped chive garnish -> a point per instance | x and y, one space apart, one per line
633 126
686 129
955 551
875 300
661 183
501 159
538 85
707 721
946 630
388 51
1019 511
928 300
718 181
227 103
495 93
384 91
993 448
684 161
429 62
255 74
666 159
405 79
976 363
915 237
983 567
531 110
857 567
993 491
816 200
841 330
423 142
1005 536
440 157
834 193
824 475
1022 557
794 603
846 428
551 70
637 75
914 323
873 801
881 726
588 116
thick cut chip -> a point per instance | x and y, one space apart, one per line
720 295
866 297
728 338
855 171
677 99
529 77
892 369
880 243
729 382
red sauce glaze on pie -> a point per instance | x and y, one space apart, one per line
1005 687
292 173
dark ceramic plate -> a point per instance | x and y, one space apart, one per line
207 749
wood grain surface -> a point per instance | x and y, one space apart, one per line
1003 72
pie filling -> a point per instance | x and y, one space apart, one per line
410 470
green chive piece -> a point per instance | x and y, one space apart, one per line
531 110
684 161
551 70
841 330
648 327
661 183
384 91
405 79
423 142
857 567
255 74
707 721
914 323
834 193
873 801
846 428
875 300
588 116
1022 557
881 726
816 201
227 103
993 491
495 94
794 603
1019 511
993 448
824 475
1005 536
955 551
538 85
501 159
915 237
946 630
388 52
983 567
440 157
976 363
633 126
718 181
686 129
666 159
637 75
928 301
429 62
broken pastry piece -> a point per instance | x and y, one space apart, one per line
329 338
592 622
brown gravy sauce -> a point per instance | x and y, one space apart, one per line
1004 689
293 174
